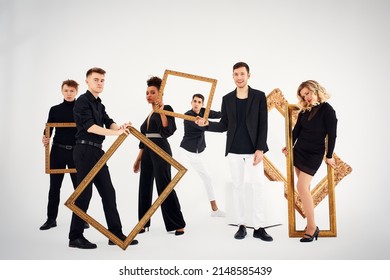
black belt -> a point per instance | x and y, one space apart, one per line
84 142
68 147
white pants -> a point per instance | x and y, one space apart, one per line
196 160
239 165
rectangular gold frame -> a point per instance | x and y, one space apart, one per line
187 76
70 203
48 170
276 100
328 182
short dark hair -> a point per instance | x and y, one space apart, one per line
154 81
199 96
70 83
241 64
95 70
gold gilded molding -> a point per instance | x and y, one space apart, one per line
213 82
326 187
70 203
49 170
275 99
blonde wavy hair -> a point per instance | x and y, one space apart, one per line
316 89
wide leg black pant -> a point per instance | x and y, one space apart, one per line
155 168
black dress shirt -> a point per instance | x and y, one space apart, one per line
88 111
193 139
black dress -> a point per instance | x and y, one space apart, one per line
309 137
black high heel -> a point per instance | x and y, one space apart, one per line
309 238
144 229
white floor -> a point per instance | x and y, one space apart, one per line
206 237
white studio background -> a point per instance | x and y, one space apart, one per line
342 44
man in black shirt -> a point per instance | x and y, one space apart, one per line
93 124
61 153
194 144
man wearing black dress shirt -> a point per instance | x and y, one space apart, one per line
194 144
93 124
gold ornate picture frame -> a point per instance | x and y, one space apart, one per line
326 187
167 73
48 169
276 100
70 203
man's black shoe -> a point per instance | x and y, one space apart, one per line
262 234
81 243
86 225
123 237
241 233
48 224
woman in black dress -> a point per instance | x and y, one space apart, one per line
316 120
157 127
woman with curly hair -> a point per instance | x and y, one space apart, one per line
157 127
316 120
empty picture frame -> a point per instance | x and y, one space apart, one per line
276 100
70 203
210 96
326 187
48 169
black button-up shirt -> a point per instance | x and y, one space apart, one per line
88 111
193 139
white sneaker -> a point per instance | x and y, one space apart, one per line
218 213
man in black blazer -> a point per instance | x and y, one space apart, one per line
245 118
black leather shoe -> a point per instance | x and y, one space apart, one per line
179 232
86 225
241 233
81 243
48 224
123 237
262 234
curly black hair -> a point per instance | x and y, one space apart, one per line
154 81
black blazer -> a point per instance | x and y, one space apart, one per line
256 119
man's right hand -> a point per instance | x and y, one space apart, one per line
45 140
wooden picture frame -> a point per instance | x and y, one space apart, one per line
326 187
70 203
168 73
48 169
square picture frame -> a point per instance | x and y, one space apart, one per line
165 78
70 203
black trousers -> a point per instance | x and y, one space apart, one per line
153 167
85 158
60 158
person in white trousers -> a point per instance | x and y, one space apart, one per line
193 144
245 118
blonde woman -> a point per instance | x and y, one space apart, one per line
316 120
